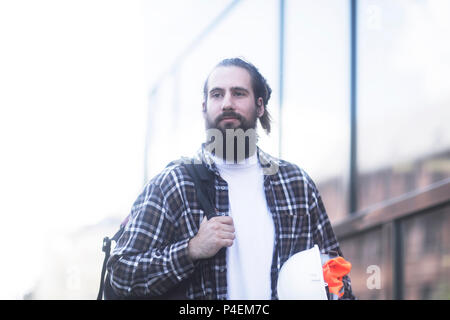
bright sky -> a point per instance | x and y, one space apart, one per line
72 118
75 78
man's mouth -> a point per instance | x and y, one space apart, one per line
229 116
228 119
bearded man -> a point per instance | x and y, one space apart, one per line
267 209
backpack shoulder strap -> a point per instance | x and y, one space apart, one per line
204 187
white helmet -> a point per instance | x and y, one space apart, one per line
301 277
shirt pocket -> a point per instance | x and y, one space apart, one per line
190 215
294 232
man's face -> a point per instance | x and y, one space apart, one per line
230 100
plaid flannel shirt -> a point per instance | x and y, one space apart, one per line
151 256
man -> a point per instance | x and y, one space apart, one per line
267 209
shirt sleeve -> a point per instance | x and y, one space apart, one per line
145 260
323 234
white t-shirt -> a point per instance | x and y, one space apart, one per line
249 259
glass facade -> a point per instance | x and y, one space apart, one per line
403 97
242 33
315 111
402 102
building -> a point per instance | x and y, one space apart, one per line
361 91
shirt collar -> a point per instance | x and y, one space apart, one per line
269 164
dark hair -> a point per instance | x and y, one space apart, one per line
261 88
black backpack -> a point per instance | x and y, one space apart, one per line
205 190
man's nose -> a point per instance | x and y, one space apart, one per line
227 102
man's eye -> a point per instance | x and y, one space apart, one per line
216 95
239 93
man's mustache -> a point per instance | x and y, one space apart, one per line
228 114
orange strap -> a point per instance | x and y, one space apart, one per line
333 271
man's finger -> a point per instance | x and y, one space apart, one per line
227 243
227 228
223 219
227 235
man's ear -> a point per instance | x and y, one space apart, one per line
204 107
260 108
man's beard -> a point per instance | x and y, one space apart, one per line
236 143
